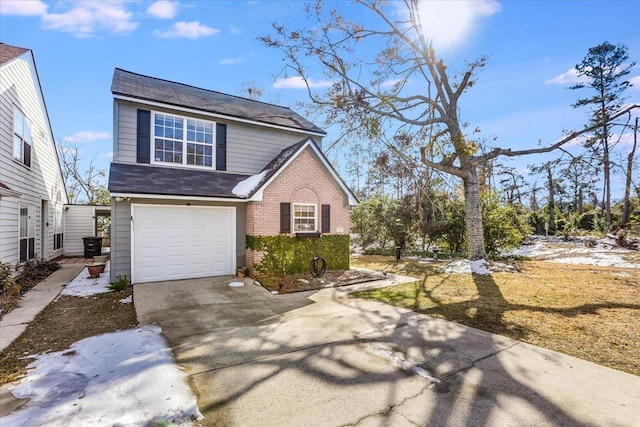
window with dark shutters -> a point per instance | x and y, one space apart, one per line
144 137
221 147
326 218
285 217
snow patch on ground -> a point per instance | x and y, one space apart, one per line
465 266
604 252
127 300
83 285
117 379
246 186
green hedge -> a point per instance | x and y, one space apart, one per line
289 255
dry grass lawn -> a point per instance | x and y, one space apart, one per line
63 322
588 312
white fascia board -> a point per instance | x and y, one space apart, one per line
214 115
173 197
257 197
5 192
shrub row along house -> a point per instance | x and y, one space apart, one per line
203 182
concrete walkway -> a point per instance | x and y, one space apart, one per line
15 322
327 359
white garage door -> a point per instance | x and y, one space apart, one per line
181 242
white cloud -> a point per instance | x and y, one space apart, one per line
235 30
87 17
229 61
569 77
108 155
23 7
299 83
451 23
390 82
163 9
87 136
189 30
635 81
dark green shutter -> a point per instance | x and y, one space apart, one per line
326 218
144 137
285 217
221 147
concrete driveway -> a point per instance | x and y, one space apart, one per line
327 359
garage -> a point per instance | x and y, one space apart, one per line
181 242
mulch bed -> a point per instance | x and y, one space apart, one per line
307 282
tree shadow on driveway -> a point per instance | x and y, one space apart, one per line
325 358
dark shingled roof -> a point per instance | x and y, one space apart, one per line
145 179
8 52
126 83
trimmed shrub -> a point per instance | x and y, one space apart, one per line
289 255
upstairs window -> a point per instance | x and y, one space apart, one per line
172 144
304 218
21 138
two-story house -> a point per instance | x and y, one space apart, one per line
32 192
196 171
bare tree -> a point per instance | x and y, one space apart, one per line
84 185
370 94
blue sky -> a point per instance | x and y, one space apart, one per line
521 96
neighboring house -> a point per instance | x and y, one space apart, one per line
195 172
32 192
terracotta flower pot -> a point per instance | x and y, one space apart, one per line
95 269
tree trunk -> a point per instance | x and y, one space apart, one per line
627 185
473 216
580 201
552 202
607 184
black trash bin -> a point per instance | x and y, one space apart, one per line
92 246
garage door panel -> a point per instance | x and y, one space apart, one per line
182 242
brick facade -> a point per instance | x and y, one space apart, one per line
305 180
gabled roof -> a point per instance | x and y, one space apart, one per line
127 178
8 52
129 84
132 179
284 159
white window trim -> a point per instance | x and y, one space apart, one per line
22 139
315 217
58 227
184 163
31 228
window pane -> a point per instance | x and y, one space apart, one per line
24 216
158 131
27 131
159 119
207 161
17 147
18 121
191 135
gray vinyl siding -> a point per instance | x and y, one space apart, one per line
80 222
249 147
19 87
120 239
121 231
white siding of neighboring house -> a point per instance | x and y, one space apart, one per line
19 87
249 147
80 222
